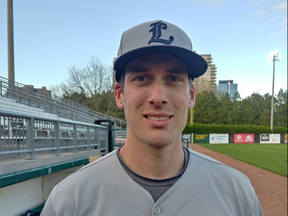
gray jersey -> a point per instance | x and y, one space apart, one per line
103 188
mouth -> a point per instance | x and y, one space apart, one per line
157 118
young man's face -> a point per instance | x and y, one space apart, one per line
155 96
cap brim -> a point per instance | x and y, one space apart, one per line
195 63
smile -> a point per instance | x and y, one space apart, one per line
156 118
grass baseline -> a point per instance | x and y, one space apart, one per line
271 157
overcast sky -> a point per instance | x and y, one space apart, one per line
52 35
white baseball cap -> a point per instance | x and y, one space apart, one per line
158 37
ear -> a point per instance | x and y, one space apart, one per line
192 97
118 94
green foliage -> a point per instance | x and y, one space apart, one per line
280 117
272 157
280 130
232 129
205 110
188 129
253 110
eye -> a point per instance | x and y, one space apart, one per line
141 79
174 79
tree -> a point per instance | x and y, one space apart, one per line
224 109
280 114
250 106
264 118
205 110
91 86
237 112
236 97
95 78
105 103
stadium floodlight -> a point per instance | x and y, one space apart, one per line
274 56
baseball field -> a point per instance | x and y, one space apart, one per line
271 157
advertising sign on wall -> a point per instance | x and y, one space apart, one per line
187 137
218 138
269 138
200 138
243 138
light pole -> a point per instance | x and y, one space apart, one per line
274 56
10 37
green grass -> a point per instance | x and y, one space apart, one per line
271 157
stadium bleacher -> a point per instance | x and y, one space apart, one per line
43 100
19 103
12 105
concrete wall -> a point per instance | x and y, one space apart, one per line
26 184
17 198
49 181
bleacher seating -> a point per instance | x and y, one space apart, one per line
12 105
45 102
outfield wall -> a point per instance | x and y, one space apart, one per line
236 138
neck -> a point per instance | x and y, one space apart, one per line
154 162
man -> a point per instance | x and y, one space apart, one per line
152 174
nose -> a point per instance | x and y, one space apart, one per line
157 94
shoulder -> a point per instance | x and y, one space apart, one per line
84 175
97 164
224 182
86 183
219 173
211 163
87 177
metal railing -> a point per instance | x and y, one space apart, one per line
119 137
50 103
22 133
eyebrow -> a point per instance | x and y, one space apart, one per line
137 69
177 70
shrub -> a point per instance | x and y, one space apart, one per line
231 129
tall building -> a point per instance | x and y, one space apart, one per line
227 86
208 80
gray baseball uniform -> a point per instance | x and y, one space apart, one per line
103 188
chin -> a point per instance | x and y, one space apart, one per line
160 141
